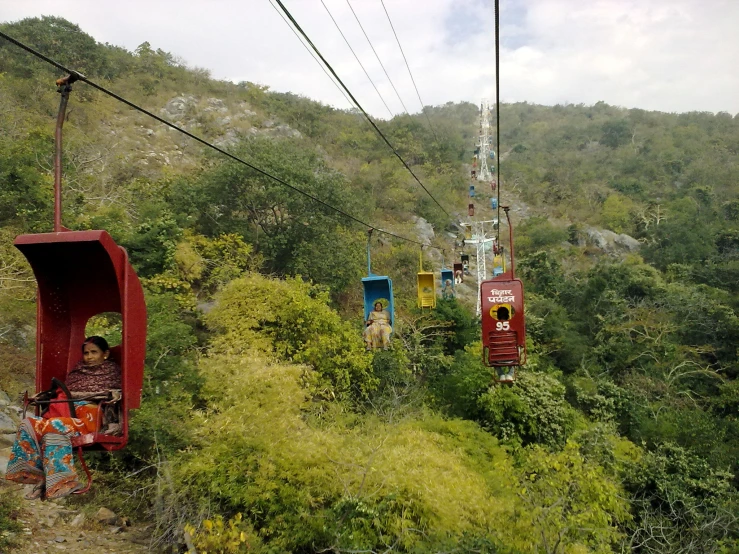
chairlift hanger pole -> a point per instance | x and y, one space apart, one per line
369 259
510 233
65 87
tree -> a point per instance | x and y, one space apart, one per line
682 505
533 410
615 133
617 213
571 501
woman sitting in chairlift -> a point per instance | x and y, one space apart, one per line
378 330
42 452
447 292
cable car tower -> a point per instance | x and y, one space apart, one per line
477 228
484 145
480 240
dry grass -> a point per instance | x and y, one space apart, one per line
17 370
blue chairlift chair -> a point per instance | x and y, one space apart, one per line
377 288
447 275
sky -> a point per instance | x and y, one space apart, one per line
666 55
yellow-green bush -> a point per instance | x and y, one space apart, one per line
218 537
292 319
356 482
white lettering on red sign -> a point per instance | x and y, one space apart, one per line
501 296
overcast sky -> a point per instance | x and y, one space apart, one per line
667 55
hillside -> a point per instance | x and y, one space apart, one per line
266 427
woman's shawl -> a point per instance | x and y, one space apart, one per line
84 378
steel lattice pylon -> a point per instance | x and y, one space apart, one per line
479 239
484 145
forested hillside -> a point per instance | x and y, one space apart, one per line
266 426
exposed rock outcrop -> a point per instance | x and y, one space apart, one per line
424 230
177 107
610 242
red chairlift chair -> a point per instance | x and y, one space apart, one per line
81 274
503 321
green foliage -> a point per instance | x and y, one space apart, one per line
292 319
349 483
571 498
218 537
616 213
210 263
172 381
108 325
542 273
393 373
57 38
602 400
681 502
687 230
153 244
555 332
615 133
354 459
10 526
463 329
538 233
290 232
532 410
26 195
458 388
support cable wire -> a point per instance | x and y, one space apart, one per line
130 104
497 109
313 55
311 52
378 57
357 58
359 106
409 70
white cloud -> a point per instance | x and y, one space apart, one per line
668 55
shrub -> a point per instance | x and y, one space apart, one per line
340 486
216 537
533 410
292 319
457 388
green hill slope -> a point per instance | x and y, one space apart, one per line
266 427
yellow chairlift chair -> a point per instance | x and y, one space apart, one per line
426 286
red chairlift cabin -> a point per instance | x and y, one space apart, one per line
458 273
503 322
81 274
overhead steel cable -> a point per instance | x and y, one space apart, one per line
80 77
359 106
409 70
378 57
357 58
310 52
497 108
307 48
